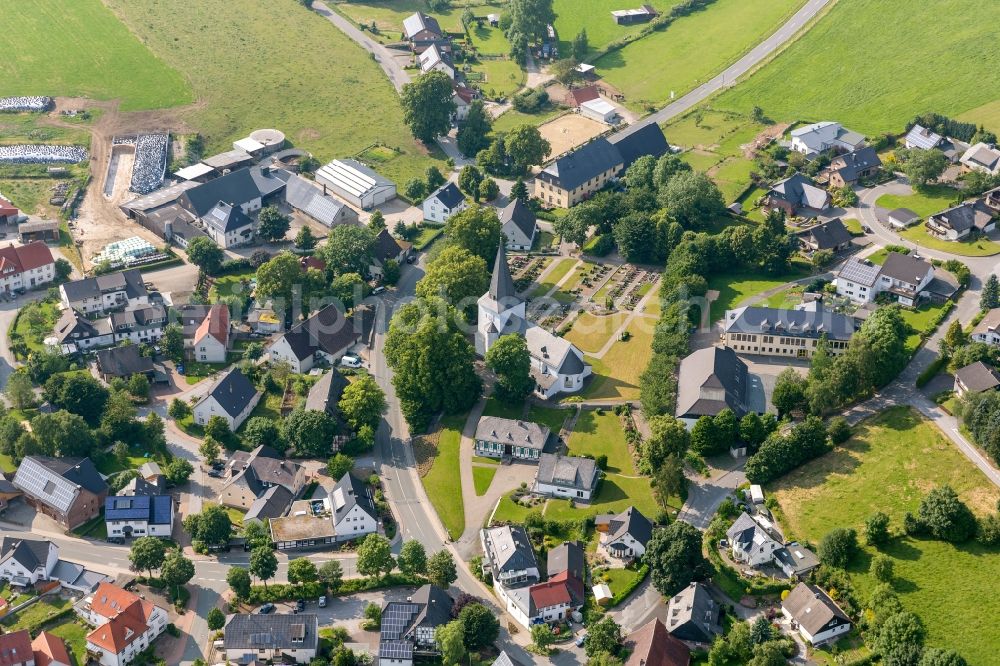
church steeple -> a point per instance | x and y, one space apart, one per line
502 285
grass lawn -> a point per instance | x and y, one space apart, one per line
485 460
618 579
489 40
74 634
7 464
692 49
732 176
598 434
512 118
107 61
616 374
919 319
229 285
35 322
440 479
427 236
847 650
269 407
734 288
788 298
236 516
496 408
928 201
483 477
194 372
557 272
920 65
36 612
853 226
95 528
590 332
510 511
552 417
594 16
294 88
388 16
893 460
981 247
501 77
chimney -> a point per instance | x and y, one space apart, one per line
324 189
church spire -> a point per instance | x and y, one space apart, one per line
501 285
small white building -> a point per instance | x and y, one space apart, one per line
519 225
818 137
233 398
228 225
566 476
600 110
904 276
624 536
443 203
819 620
435 59
988 328
27 561
211 339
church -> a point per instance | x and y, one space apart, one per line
557 366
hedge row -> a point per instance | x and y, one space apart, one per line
288 592
630 588
931 370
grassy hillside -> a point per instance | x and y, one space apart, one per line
275 64
692 49
79 48
873 65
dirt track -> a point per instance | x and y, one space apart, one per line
98 219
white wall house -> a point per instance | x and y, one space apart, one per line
822 136
750 543
819 620
103 293
444 203
139 516
26 267
904 276
988 328
233 398
27 560
211 341
125 624
271 638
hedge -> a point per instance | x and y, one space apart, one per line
931 371
288 592
628 589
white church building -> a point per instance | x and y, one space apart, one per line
557 366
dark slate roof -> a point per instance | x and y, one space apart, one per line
327 330
386 247
799 323
567 556
572 170
417 22
630 521
226 217
325 394
510 548
233 392
905 267
140 486
236 187
80 471
501 284
521 215
572 364
693 615
799 190
829 234
271 504
348 492
512 431
857 161
129 281
436 606
965 216
449 195
798 558
647 140
123 361
567 471
275 631
30 553
711 368
978 377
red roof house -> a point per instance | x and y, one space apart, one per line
50 650
15 648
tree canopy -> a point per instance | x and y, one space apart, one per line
428 106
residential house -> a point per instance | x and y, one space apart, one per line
277 638
651 645
549 601
750 543
114 291
125 624
960 221
831 235
248 475
436 59
325 336
421 30
693 615
975 378
795 560
624 536
356 184
922 138
988 328
303 195
123 362
263 319
567 557
273 503
232 397
904 276
15 649
498 437
711 380
781 332
992 199
75 333
324 396
981 157
24 562
210 343
68 490
463 98
818 618
235 190
26 267
387 248
346 514
49 650
443 203
140 486
139 325
903 218
797 194
354 512
851 168
407 628
557 366
518 225
566 476
575 176
140 515
509 558
228 225
822 136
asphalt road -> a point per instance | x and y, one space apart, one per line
729 76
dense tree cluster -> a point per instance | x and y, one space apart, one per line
781 453
675 558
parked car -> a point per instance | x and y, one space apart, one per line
215 473
378 290
581 639
116 539
411 259
219 465
300 605
350 361
322 602
266 609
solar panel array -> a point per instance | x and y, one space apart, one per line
395 650
396 619
36 480
921 137
857 271
263 639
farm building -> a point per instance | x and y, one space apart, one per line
356 184
642 14
436 59
303 196
260 143
199 173
229 160
599 110
8 212
39 230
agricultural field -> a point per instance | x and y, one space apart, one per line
692 49
921 62
80 49
512 119
891 462
294 87
388 15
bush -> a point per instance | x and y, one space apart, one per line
932 370
839 430
946 517
838 547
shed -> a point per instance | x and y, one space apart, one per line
197 172
599 110
902 218
602 594
756 494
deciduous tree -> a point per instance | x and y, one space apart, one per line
458 276
239 582
412 559
205 254
375 556
674 555
476 229
481 626
263 563
473 135
339 465
302 570
309 431
177 570
510 360
428 106
147 553
348 249
441 569
838 547
272 224
362 403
